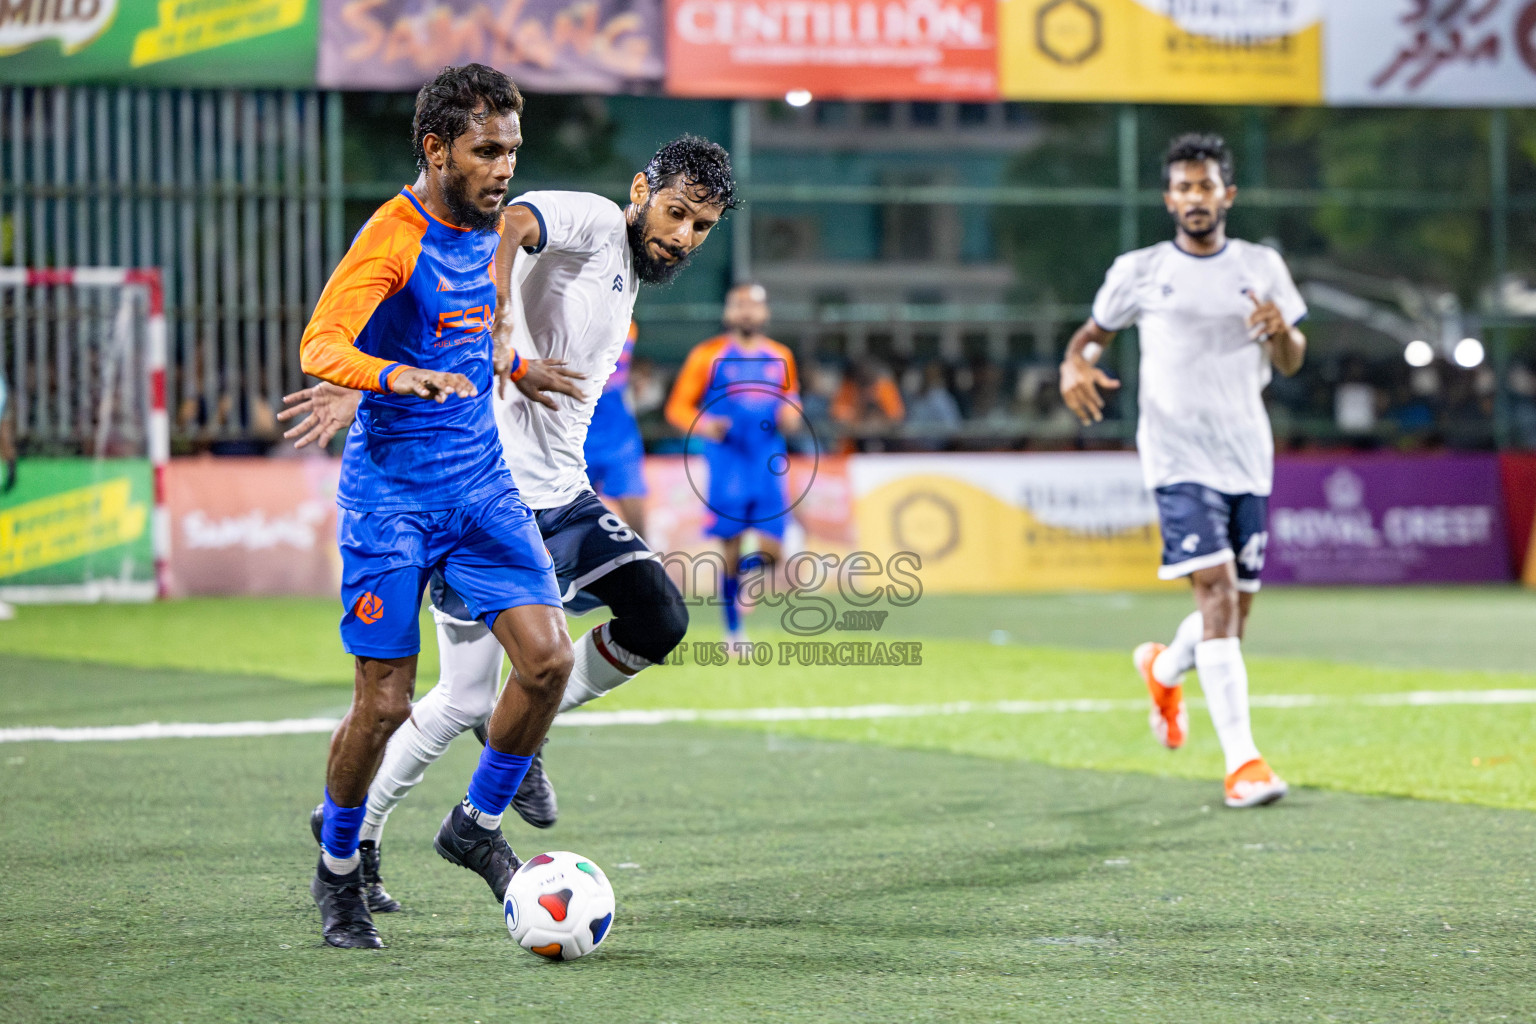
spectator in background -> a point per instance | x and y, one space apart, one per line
867 406
1354 401
818 385
933 406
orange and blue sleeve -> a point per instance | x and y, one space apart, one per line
791 374
377 266
692 381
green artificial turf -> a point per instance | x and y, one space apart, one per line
773 879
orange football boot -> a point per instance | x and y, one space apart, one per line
1254 785
1170 721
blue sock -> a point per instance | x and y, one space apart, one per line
339 833
731 588
494 783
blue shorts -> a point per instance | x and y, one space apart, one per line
747 495
490 552
586 540
616 464
1203 527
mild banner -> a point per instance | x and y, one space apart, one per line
78 529
253 526
605 46
222 43
1365 520
836 49
1432 52
1163 51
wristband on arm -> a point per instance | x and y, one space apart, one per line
518 370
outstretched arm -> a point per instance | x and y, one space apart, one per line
326 408
1081 379
520 228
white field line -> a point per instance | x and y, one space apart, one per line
590 719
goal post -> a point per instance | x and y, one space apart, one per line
85 355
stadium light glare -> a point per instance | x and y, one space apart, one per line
1418 353
1468 353
798 97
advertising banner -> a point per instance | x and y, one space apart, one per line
77 529
606 46
835 49
159 42
1163 51
1359 519
1432 52
253 526
991 523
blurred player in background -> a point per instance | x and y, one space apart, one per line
569 296
1215 314
738 391
615 453
406 318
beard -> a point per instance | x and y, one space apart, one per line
1218 219
744 329
647 267
464 209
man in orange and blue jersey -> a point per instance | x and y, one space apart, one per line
740 394
406 318
614 450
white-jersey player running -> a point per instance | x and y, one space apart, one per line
568 301
1214 315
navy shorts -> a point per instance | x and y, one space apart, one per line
489 552
1203 527
586 540
617 467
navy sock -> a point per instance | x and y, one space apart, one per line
339 833
495 782
731 588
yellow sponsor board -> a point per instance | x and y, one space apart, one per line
991 524
1144 51
69 525
190 26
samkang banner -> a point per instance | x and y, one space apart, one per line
1163 51
159 42
835 49
604 46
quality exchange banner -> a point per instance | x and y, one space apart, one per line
600 46
160 42
1385 520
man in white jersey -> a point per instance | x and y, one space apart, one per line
569 299
1214 314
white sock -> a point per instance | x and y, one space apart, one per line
1224 678
463 698
480 818
1179 656
600 665
337 866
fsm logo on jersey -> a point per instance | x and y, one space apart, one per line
1387 520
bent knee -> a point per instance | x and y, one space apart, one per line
546 669
389 714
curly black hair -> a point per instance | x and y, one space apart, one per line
1199 146
445 105
702 167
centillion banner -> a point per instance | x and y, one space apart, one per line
1162 51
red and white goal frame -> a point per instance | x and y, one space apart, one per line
149 282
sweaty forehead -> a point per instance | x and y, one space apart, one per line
504 128
694 198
